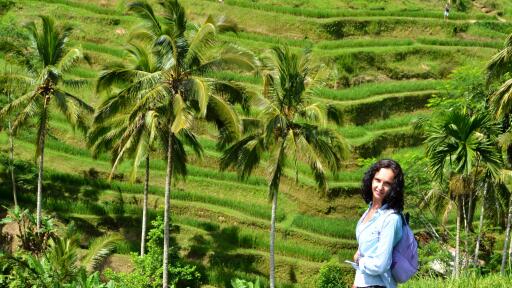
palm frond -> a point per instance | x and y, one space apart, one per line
499 64
17 104
501 99
202 41
70 59
235 93
224 116
314 113
182 117
145 12
244 155
74 109
76 83
175 15
200 93
99 250
277 170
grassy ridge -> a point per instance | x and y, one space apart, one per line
367 90
324 13
209 193
84 6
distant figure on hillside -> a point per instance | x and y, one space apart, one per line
380 227
446 11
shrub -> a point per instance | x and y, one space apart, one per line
31 239
239 283
378 144
365 111
434 260
148 269
331 276
5 5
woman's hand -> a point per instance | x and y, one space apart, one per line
356 257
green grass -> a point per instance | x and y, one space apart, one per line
329 13
336 227
251 209
269 39
302 239
397 121
119 53
460 42
85 6
254 239
367 90
236 77
473 281
352 43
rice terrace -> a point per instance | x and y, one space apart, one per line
222 143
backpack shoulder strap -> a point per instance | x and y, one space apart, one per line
386 214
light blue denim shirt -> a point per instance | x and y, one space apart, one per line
376 239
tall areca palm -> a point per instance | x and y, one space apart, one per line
290 125
176 92
497 68
46 66
461 143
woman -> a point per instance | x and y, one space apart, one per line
380 228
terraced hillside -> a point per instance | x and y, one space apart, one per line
388 58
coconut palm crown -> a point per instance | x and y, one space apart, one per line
290 125
46 64
175 91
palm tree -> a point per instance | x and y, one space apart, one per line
465 143
8 81
46 67
122 134
289 125
177 92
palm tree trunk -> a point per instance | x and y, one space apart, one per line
11 160
168 178
507 237
466 234
509 254
145 210
457 239
272 241
274 188
480 224
41 141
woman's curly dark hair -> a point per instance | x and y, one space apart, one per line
395 197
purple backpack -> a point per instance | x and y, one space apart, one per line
404 262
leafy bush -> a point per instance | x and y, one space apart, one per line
148 268
364 111
239 283
434 260
331 276
5 5
31 239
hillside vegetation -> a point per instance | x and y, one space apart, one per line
387 60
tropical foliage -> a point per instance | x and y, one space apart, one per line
176 99
289 125
46 65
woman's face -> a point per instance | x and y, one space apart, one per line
381 184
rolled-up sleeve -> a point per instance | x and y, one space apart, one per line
379 260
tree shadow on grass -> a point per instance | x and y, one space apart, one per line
220 253
56 185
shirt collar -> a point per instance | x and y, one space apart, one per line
382 208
